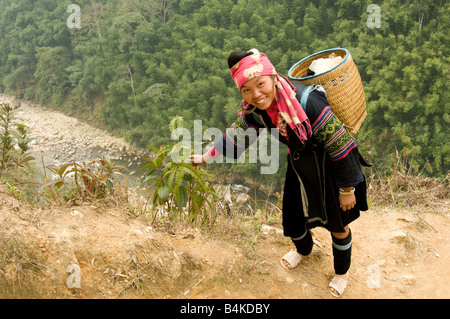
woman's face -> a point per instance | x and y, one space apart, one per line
259 91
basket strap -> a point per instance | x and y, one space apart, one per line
305 95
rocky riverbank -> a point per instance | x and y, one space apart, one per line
63 139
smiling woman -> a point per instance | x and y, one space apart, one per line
260 92
324 184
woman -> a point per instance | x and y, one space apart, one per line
324 183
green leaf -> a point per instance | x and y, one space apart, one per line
109 184
170 175
187 177
197 198
181 196
179 177
15 134
161 154
59 184
153 148
27 159
189 169
203 173
148 166
63 168
159 162
163 192
149 177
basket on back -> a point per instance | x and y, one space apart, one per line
342 85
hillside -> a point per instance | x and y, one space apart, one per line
124 257
121 255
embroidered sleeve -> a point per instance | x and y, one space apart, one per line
329 130
338 143
237 138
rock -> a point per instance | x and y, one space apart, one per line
380 262
409 279
241 198
290 280
399 234
76 213
65 139
137 232
269 230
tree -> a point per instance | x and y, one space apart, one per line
142 62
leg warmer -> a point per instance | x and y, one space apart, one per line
342 253
304 243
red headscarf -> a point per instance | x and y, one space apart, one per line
289 109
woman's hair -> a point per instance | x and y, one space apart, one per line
237 56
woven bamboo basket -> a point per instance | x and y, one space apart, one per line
342 85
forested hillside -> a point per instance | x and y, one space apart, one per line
135 64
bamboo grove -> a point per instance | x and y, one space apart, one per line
133 65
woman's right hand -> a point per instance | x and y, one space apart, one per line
197 159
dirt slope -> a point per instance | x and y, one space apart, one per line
123 257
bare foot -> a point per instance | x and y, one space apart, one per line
286 264
342 286
291 259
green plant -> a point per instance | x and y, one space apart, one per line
179 185
10 137
93 179
23 142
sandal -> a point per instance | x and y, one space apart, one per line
293 258
338 284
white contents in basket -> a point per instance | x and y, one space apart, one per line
322 65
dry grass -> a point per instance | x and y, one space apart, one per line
408 190
405 186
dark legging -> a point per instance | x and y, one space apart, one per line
342 253
342 250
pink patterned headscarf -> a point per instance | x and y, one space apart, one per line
289 109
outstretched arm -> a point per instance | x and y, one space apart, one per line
236 139
197 159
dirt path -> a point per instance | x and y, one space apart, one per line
409 250
119 256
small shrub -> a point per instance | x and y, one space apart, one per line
11 135
180 187
93 179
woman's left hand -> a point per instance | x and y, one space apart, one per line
347 202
